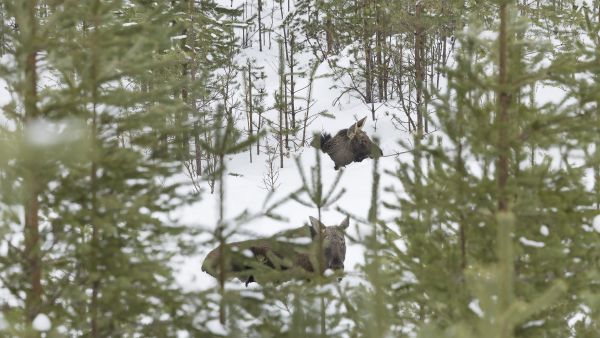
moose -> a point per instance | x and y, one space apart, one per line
282 256
348 145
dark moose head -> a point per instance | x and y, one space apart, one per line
334 245
349 145
260 260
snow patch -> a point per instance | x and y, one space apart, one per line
596 223
474 306
409 277
3 323
534 323
582 316
544 230
44 133
528 242
183 334
214 326
488 35
401 245
42 322
582 3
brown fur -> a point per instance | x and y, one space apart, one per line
264 260
348 145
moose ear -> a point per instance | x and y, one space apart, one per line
315 226
361 123
345 223
351 131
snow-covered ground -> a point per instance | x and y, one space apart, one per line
247 192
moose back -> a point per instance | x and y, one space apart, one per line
348 145
280 257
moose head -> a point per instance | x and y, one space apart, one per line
334 245
280 256
349 145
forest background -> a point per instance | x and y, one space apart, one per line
135 136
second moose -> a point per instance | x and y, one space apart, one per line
349 145
281 257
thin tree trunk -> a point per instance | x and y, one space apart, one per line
368 55
505 223
419 66
244 28
2 33
221 238
386 65
32 253
193 70
460 167
379 52
292 90
596 165
197 149
323 318
184 97
308 100
281 138
93 178
221 223
281 101
250 112
258 125
502 117
329 33
95 237
286 113
260 42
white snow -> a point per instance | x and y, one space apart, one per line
129 24
596 223
42 322
3 323
488 35
528 242
43 133
474 306
408 277
544 230
259 84
587 3
534 323
216 328
183 334
582 316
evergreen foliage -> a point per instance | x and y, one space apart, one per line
103 244
536 219
112 103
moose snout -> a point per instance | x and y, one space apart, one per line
338 268
336 265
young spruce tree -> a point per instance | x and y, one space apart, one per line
93 251
496 227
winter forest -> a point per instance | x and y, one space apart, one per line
300 168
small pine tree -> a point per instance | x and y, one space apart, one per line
99 185
483 185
